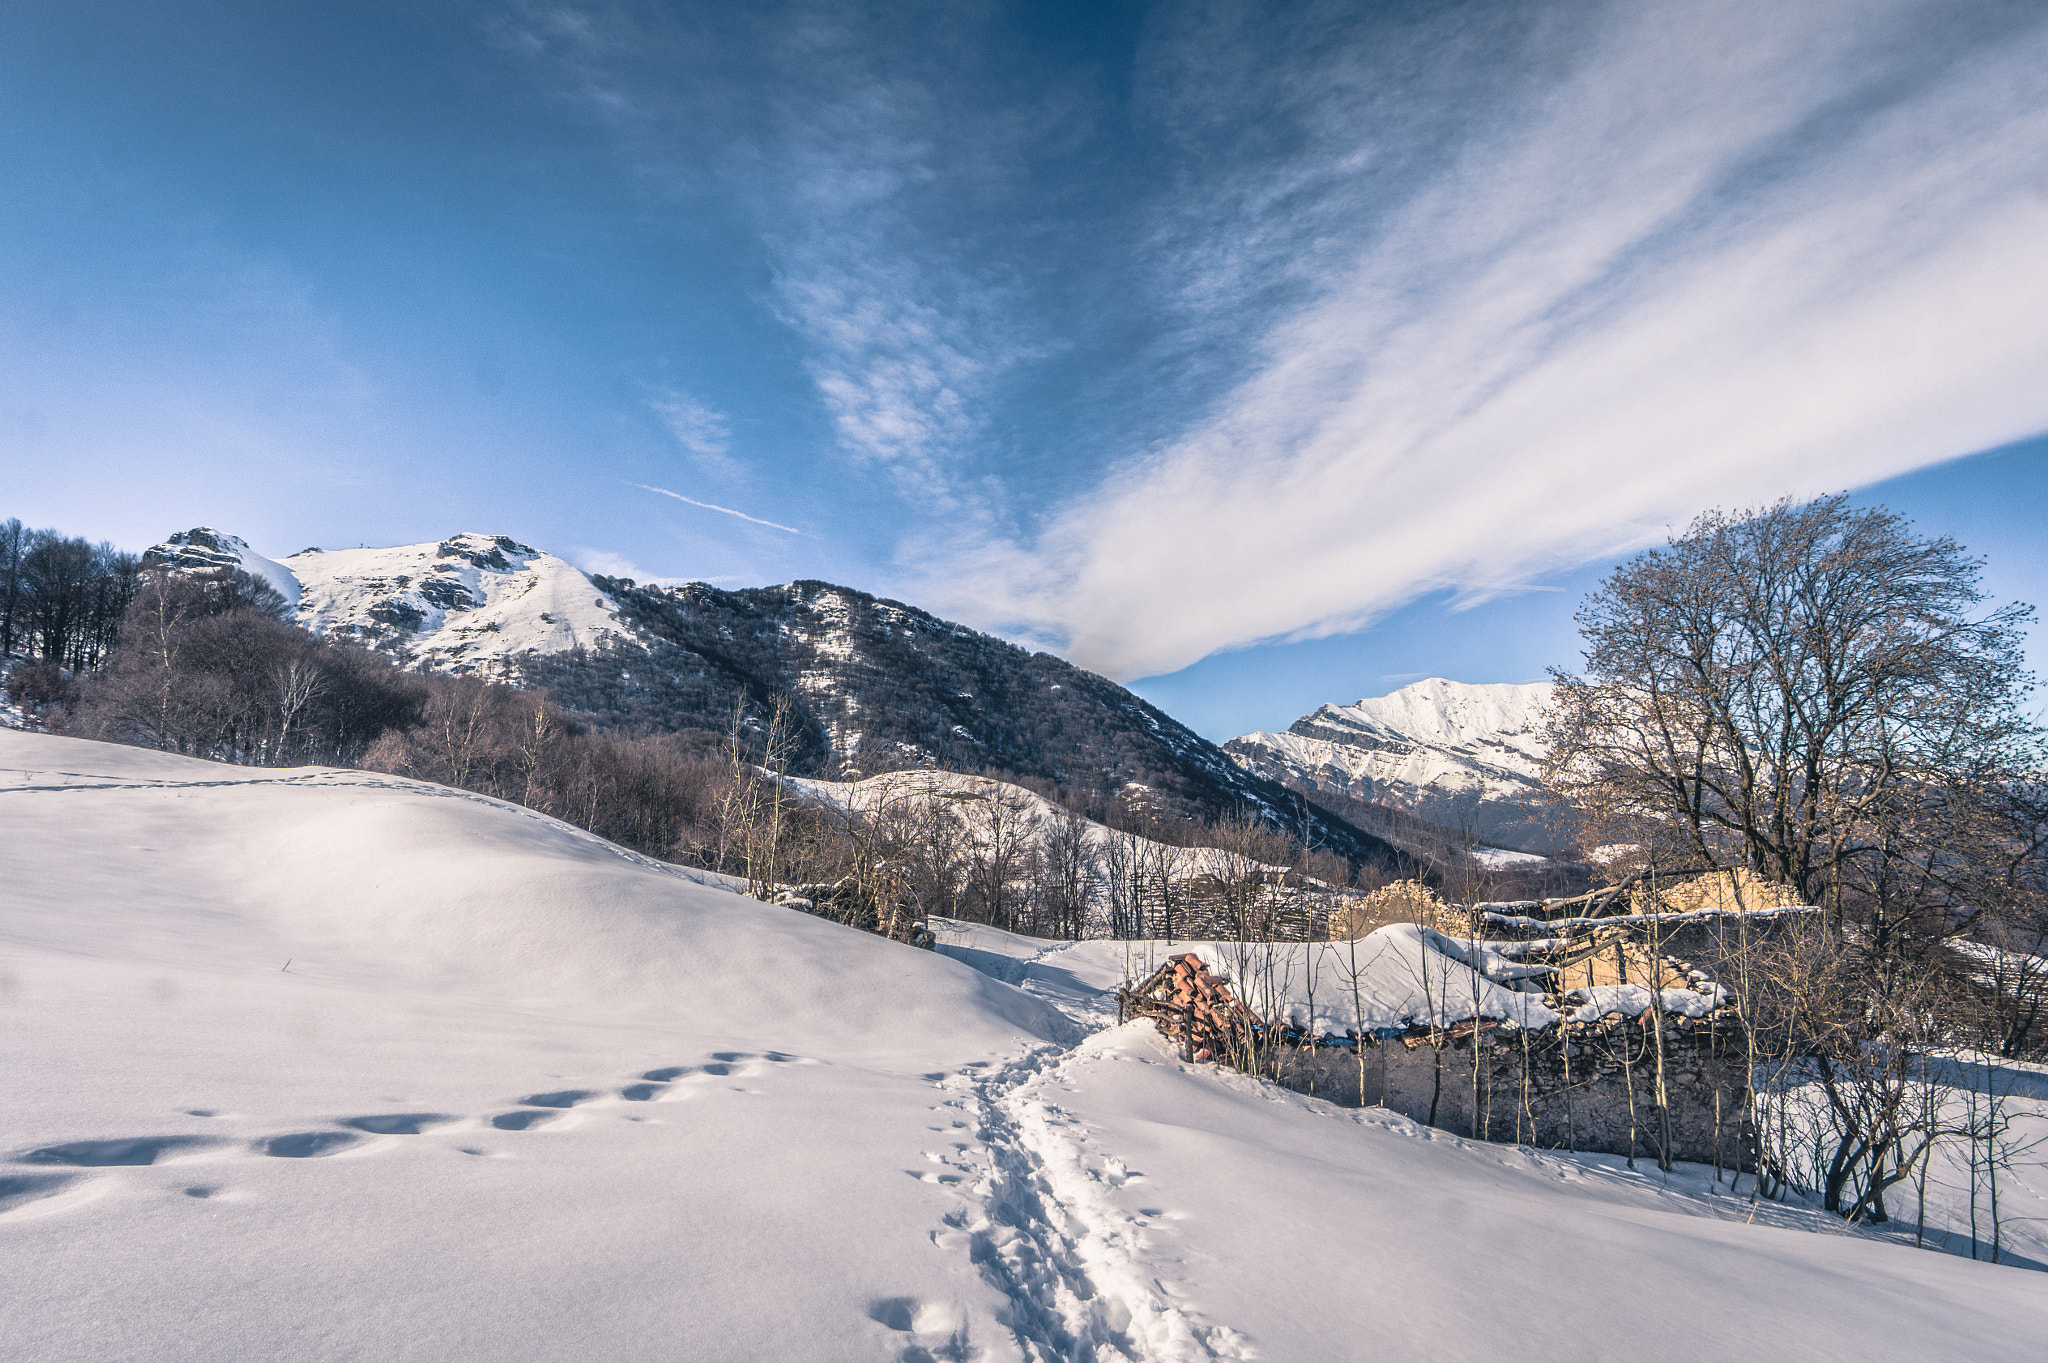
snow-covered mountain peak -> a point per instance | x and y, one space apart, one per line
472 601
1448 713
203 547
1449 751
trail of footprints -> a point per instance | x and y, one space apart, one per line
56 1169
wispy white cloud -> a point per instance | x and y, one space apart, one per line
904 331
704 433
848 142
1443 300
1707 255
722 510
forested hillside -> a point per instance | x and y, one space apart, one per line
875 685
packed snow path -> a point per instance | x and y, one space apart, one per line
328 1065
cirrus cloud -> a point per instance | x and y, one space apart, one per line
1714 254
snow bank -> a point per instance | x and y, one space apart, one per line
652 1117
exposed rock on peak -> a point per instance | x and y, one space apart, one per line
203 548
473 602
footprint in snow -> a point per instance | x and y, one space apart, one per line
720 1065
524 1120
937 1329
307 1144
565 1098
131 1151
18 1190
398 1123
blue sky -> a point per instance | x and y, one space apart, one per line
1260 356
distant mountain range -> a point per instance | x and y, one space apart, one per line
873 685
1455 754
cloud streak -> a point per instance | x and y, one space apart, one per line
1716 253
722 510
703 433
1319 308
906 325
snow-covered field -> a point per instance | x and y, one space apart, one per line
520 1095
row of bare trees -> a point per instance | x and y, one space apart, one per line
61 603
990 852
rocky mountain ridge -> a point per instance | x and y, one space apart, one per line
871 684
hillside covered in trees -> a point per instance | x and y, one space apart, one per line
874 685
655 742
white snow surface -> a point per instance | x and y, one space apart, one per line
1454 714
1502 858
1633 1000
1404 975
519 1094
464 604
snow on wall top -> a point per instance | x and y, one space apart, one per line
468 603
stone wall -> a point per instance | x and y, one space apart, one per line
1568 1087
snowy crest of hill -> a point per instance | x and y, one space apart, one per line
204 548
1031 818
472 602
1444 750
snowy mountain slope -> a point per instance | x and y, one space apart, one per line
1440 749
970 795
204 548
878 685
321 1064
875 684
470 603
